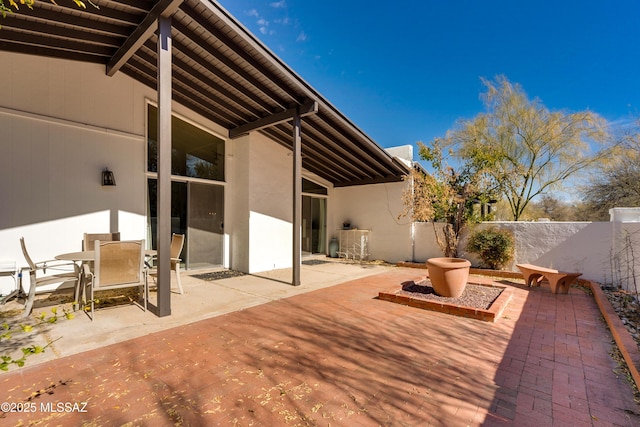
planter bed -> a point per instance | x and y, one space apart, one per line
474 303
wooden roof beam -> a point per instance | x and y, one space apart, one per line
146 29
306 109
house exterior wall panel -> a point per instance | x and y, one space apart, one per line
237 224
75 91
270 170
377 208
63 122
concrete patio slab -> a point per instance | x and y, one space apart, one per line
202 300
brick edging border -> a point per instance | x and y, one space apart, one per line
492 314
623 339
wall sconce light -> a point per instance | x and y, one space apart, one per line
108 178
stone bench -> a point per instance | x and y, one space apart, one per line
559 281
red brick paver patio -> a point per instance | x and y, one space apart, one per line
340 357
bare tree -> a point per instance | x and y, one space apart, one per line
551 207
617 183
524 148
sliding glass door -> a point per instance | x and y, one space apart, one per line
205 225
314 225
197 189
314 218
178 210
197 211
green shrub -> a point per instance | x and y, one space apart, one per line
495 247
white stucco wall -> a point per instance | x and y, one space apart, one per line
601 251
74 91
375 207
62 123
426 244
568 246
625 254
262 232
270 205
237 203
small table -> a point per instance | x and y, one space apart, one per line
87 256
8 268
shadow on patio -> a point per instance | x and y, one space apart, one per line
340 356
557 368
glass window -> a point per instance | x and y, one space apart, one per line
194 152
312 187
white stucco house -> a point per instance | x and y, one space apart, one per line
207 133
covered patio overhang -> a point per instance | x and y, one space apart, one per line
193 52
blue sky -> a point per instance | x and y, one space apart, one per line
405 71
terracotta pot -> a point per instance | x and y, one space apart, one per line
448 276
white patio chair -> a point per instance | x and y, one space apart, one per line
64 271
89 239
118 264
177 243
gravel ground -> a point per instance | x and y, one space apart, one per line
628 309
218 275
475 296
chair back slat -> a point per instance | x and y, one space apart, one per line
118 262
32 265
177 241
88 243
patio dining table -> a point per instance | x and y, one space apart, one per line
83 257
87 256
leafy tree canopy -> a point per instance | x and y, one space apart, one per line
523 149
4 8
448 196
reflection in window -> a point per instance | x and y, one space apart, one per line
194 152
